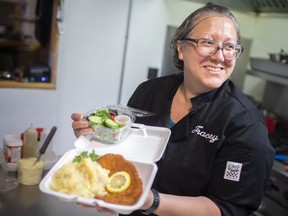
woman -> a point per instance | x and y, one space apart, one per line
218 159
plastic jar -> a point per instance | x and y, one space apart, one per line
28 172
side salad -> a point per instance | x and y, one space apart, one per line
108 118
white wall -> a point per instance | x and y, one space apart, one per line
270 34
90 60
146 43
21 107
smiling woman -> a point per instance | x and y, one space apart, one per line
218 137
28 44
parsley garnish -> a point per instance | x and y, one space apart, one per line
93 156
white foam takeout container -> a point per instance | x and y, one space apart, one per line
143 147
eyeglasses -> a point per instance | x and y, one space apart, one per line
206 47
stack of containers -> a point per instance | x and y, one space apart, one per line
12 148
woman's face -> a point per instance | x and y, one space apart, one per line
201 73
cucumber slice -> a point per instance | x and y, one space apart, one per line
95 120
111 124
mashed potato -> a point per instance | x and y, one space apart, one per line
86 178
29 172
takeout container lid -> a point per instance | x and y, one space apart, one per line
12 140
145 143
143 147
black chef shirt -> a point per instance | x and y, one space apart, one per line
219 150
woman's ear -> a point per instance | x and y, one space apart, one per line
180 50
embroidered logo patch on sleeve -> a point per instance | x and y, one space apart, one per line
233 171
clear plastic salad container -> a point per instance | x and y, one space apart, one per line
111 124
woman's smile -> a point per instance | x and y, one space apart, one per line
214 70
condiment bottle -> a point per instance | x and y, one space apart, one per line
30 143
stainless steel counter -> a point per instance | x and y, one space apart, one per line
29 201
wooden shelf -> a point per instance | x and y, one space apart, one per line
32 46
28 85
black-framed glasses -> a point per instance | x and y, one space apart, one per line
206 47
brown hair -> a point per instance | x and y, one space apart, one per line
193 19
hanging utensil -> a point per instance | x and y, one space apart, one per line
46 143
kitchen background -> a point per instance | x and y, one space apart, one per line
107 48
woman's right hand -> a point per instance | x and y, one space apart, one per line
80 125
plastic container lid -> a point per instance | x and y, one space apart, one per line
12 140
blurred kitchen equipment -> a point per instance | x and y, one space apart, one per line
275 202
281 157
274 57
7 75
46 143
39 73
3 30
268 66
6 182
270 120
282 57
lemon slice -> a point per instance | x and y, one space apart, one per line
118 182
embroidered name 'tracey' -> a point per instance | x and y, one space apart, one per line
212 138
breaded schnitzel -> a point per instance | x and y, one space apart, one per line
116 163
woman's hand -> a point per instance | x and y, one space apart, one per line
80 125
149 201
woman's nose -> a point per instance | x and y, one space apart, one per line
219 55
